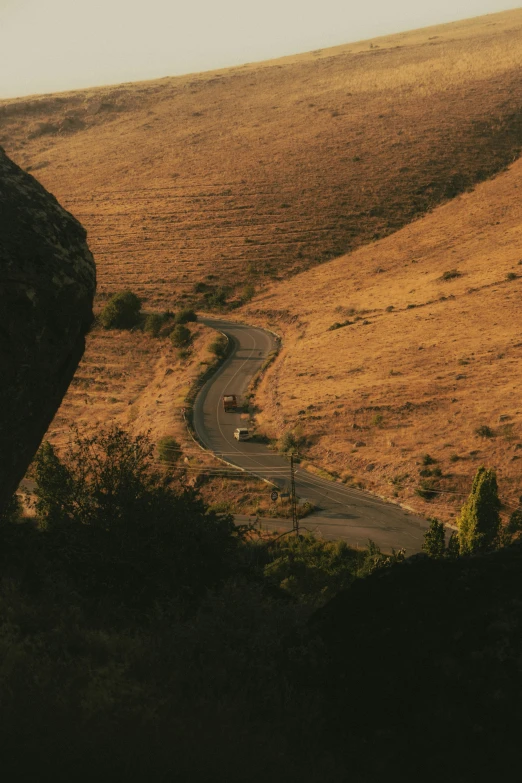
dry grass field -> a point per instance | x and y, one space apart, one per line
429 361
219 185
256 172
132 379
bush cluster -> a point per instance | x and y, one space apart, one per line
219 346
180 336
169 450
122 311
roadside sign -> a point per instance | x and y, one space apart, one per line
274 495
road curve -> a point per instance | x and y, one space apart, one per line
342 512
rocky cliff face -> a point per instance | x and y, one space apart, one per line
47 285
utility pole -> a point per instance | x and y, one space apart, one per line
295 519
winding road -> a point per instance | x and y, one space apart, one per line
341 512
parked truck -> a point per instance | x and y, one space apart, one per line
229 402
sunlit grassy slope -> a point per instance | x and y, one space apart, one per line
256 172
253 174
424 357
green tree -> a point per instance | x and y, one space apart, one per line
122 311
479 520
453 550
435 540
180 336
115 525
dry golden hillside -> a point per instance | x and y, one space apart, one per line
193 188
251 173
407 347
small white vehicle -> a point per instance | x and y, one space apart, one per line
241 433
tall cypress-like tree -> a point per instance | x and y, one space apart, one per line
479 521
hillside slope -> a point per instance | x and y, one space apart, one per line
430 353
237 176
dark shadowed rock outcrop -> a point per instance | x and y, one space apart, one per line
47 285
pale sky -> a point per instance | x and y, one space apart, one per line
53 45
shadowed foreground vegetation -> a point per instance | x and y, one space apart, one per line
143 636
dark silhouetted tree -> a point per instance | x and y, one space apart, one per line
116 524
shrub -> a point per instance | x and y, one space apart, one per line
511 276
290 441
167 323
248 292
434 543
305 508
180 336
219 346
153 324
428 460
427 490
377 420
169 450
513 527
453 550
484 431
311 570
122 311
185 316
339 325
216 298
451 274
375 560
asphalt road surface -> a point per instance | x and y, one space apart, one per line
341 512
